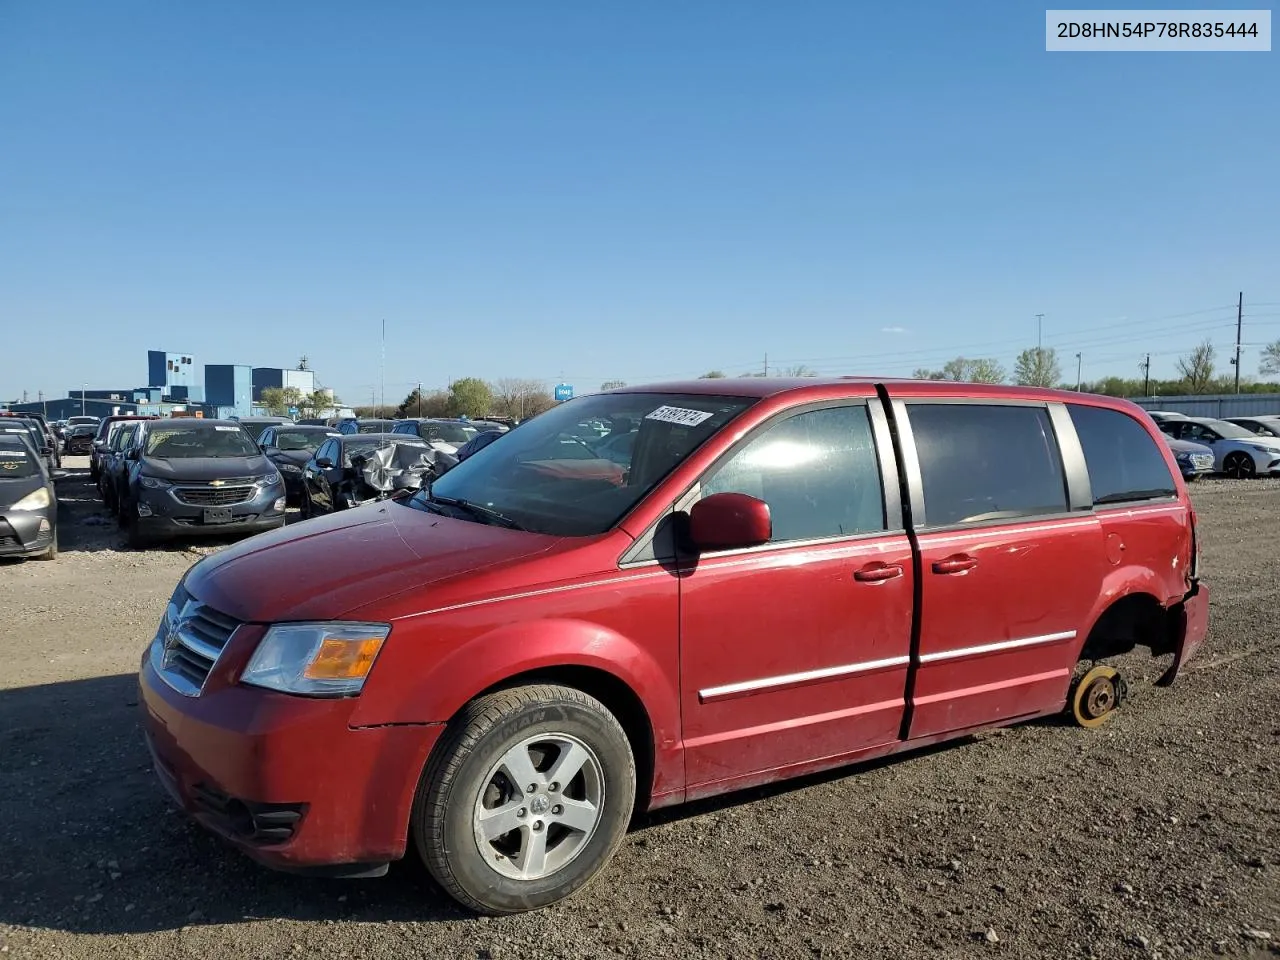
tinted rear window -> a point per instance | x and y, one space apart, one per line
987 462
1124 461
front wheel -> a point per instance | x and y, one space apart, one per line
525 799
1239 465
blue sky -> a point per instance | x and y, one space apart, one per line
617 190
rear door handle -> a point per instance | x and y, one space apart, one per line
956 563
878 572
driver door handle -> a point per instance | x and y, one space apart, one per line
878 572
956 563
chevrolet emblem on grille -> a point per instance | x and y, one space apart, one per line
216 483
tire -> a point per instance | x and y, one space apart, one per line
135 536
1239 465
52 552
468 774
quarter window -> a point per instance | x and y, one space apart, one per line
817 471
1124 462
987 462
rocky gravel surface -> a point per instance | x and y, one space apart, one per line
1157 835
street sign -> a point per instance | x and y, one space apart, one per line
293 411
564 391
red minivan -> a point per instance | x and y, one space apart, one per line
655 594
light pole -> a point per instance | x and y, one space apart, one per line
1039 324
1078 361
82 389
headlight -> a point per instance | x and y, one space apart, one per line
267 479
1261 449
316 659
290 468
154 483
36 500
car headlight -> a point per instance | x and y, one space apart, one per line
290 468
154 483
1261 449
316 659
268 479
35 500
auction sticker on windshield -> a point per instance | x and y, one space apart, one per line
227 429
681 415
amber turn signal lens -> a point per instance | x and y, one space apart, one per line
339 659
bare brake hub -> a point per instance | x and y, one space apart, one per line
1095 696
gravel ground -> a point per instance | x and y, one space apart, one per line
1157 835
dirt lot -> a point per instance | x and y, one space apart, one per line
1156 836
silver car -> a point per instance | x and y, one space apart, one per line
1236 452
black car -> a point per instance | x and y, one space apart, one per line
255 425
28 502
113 467
355 468
289 447
102 438
31 429
190 476
450 434
477 443
366 425
50 436
79 439
1266 425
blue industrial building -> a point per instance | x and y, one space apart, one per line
267 377
167 370
229 388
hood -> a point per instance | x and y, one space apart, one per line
13 489
298 457
1271 443
1186 446
204 469
322 568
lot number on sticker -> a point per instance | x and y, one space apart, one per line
680 415
228 429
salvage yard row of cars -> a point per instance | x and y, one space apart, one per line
192 476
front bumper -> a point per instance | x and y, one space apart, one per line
21 534
284 779
164 514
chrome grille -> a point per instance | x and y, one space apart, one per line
213 496
191 637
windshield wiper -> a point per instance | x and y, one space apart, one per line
488 514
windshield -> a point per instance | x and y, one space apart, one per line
179 443
16 462
448 432
1230 431
255 429
308 440
546 477
78 420
84 430
375 426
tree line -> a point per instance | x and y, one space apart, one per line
474 398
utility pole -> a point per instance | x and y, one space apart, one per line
1039 324
419 398
82 388
1146 375
1239 324
44 407
1078 381
766 364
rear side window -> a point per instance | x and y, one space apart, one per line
817 471
987 462
1124 461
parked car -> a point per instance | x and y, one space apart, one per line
476 444
1163 416
101 440
31 429
1263 426
1194 459
1236 452
28 501
79 439
352 469
113 469
255 425
289 447
487 425
366 425
50 437
446 435
189 477
500 669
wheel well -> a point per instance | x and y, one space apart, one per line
618 698
1136 620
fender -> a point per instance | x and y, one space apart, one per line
405 694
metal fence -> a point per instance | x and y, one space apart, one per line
1214 405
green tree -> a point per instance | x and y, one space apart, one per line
470 397
1269 362
1037 367
965 370
799 370
316 403
1197 368
429 403
278 400
712 375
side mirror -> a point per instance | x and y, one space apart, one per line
724 521
100 445
324 463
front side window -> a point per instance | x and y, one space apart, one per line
983 461
307 440
1124 462
817 471
546 477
